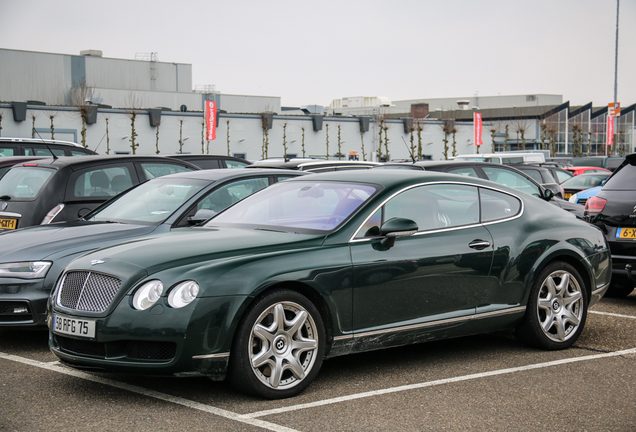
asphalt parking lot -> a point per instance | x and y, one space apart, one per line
480 383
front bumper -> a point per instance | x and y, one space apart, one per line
194 340
23 302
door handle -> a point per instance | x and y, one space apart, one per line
478 244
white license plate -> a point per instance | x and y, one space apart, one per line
73 326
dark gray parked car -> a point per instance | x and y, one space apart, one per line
31 259
62 189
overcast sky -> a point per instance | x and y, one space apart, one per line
311 52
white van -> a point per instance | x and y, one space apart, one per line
505 157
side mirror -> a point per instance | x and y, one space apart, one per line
201 216
396 227
548 194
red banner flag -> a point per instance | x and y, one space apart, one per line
478 127
210 119
610 130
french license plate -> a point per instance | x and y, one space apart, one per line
8 223
626 233
567 195
73 326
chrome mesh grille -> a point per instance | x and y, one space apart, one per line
87 291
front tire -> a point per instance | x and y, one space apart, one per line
557 308
279 346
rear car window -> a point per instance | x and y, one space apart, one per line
623 179
235 164
24 182
102 182
153 169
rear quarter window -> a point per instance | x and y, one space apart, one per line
623 179
102 182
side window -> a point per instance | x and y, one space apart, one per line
7 151
431 207
79 153
512 179
561 176
158 169
496 205
235 164
536 175
228 194
465 171
102 182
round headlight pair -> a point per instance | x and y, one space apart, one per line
149 293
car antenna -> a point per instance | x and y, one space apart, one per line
409 150
46 145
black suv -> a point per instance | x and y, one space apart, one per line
62 189
614 211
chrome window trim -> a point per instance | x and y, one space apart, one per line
353 238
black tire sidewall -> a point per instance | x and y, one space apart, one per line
240 373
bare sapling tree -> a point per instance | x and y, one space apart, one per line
227 135
51 115
285 141
506 144
303 139
521 126
181 142
552 130
132 111
81 97
577 138
447 127
265 146
33 117
454 132
544 128
339 144
157 137
203 137
386 141
0 124
106 119
327 139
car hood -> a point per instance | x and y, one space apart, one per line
191 246
47 241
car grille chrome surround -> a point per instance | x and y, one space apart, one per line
87 291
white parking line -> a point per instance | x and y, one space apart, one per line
56 367
613 314
436 383
252 418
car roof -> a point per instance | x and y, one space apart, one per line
62 161
38 141
305 163
391 178
187 156
227 173
12 160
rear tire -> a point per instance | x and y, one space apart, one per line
557 308
279 346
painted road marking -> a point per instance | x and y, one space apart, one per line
613 314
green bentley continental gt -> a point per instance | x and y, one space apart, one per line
325 265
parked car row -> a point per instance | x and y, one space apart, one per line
260 274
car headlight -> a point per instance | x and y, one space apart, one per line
183 294
25 270
574 198
147 295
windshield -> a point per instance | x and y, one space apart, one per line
24 183
585 180
151 202
305 205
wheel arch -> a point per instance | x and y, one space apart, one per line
567 256
302 288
